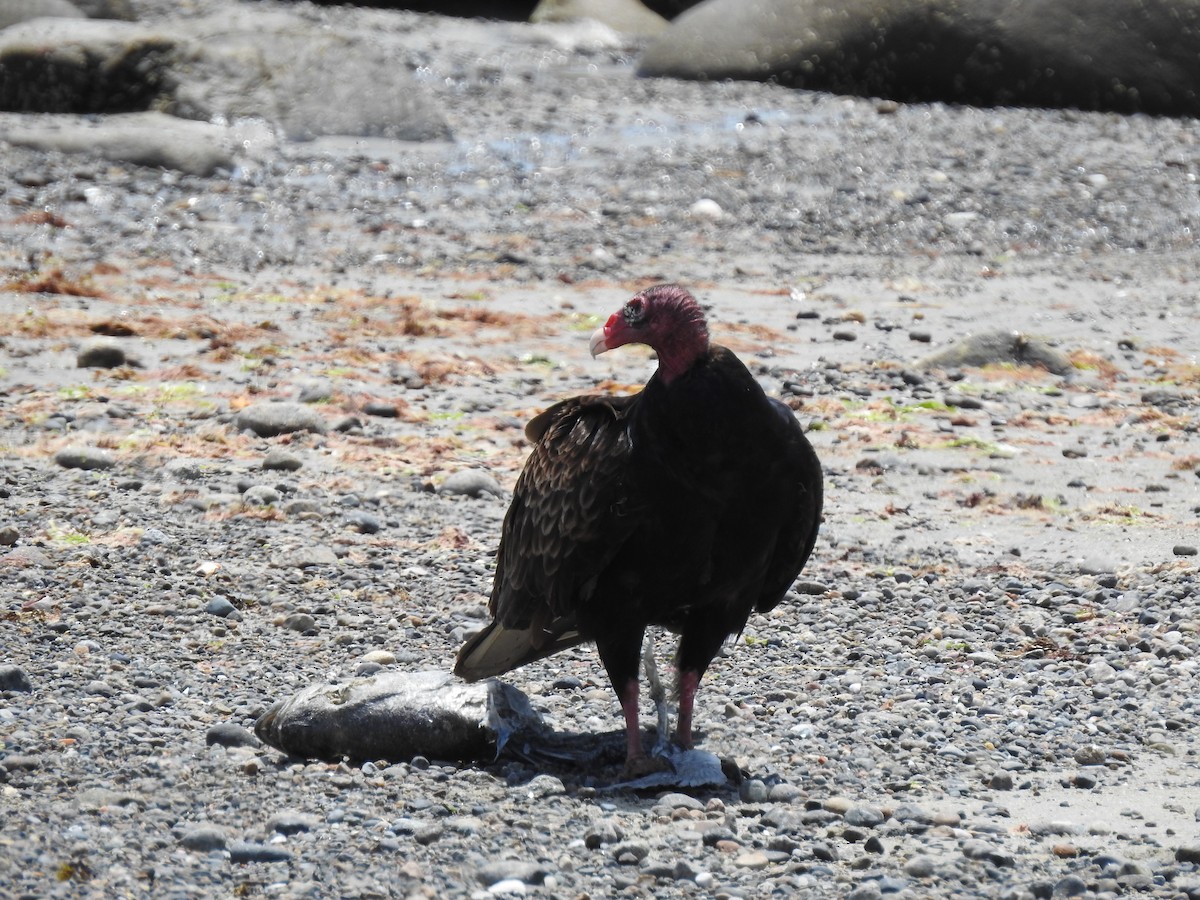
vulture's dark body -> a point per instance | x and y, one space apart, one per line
689 505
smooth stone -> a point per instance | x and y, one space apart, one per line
281 460
87 458
13 678
261 495
364 523
622 16
203 839
512 870
291 822
247 852
143 138
863 816
100 353
220 607
273 418
227 734
304 557
920 866
470 483
302 622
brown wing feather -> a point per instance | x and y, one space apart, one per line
571 511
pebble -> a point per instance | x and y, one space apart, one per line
864 816
509 886
630 852
220 607
364 523
706 209
302 622
203 838
282 461
227 734
470 483
100 353
277 417
87 458
507 870
261 495
304 557
13 678
381 409
249 852
753 859
9 535
921 866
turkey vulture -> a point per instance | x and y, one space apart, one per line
688 505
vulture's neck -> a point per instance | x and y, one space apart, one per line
682 351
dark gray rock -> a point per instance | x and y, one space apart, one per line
260 495
13 678
220 607
58 65
274 418
203 838
291 822
1053 53
399 715
248 852
227 734
84 458
100 353
512 870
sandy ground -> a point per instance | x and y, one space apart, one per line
458 283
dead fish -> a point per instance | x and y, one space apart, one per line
399 715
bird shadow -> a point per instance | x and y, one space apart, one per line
597 760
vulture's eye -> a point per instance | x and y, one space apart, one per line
635 311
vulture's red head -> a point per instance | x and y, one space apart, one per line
667 318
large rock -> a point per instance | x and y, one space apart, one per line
1089 54
624 16
59 65
399 715
305 79
14 11
146 139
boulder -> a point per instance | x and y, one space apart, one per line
59 65
622 16
1087 54
145 139
306 79
14 11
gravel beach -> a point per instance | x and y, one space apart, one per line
985 683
